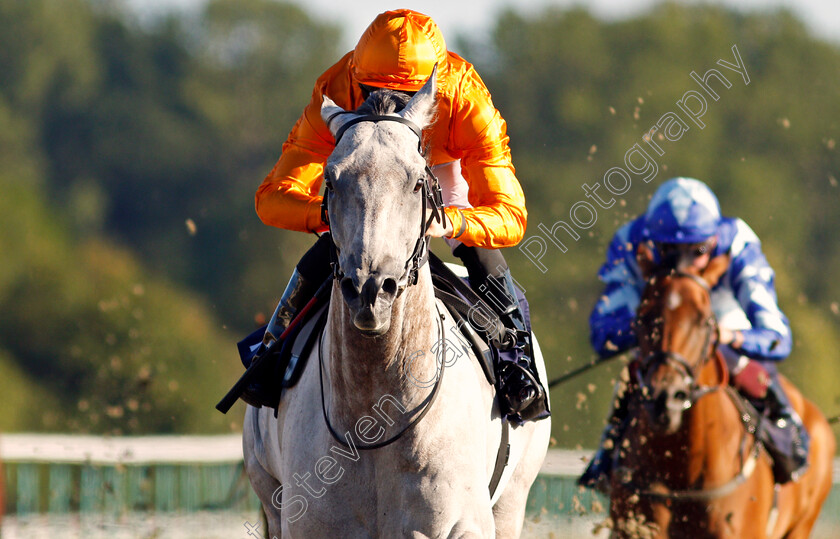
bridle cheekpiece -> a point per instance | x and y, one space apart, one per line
432 200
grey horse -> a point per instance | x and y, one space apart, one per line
389 353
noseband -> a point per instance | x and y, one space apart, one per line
677 360
431 200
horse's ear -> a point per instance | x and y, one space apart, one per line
716 268
421 108
333 115
644 257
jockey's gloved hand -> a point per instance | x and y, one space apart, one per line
440 229
733 338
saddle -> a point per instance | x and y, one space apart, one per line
776 441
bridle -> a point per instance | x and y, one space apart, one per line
697 391
431 197
677 360
431 201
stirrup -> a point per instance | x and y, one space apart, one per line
521 396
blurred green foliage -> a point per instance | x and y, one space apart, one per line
577 93
129 154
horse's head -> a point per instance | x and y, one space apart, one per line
376 194
677 334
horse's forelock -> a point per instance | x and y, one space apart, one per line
384 101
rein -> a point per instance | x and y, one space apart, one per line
426 404
432 199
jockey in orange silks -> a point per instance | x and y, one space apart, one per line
467 148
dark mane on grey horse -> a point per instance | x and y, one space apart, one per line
384 101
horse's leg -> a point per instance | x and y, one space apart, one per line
626 513
811 491
816 483
265 486
509 510
263 483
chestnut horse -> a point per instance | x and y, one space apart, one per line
2 492
689 465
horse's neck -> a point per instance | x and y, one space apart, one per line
363 369
716 421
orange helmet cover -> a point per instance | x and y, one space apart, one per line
398 51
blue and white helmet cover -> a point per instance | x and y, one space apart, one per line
683 210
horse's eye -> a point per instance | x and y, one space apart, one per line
419 184
328 182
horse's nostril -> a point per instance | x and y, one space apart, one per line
681 395
389 286
348 289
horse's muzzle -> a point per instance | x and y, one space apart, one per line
666 406
370 302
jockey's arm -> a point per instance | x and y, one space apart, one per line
288 197
478 136
752 281
610 322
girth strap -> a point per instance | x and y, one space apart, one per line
502 457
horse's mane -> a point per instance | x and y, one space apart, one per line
384 101
661 272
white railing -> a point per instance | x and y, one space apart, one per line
128 450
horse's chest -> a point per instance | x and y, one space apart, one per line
380 503
328 486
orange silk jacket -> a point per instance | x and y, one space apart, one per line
467 127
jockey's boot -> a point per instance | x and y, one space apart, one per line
265 390
522 396
597 473
788 439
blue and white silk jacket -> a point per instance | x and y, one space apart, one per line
744 298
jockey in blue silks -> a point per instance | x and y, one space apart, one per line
684 225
